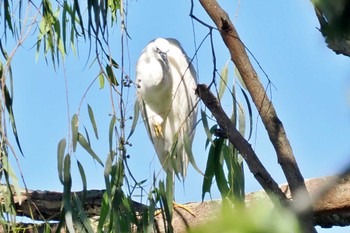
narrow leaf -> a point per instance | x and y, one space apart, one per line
135 119
223 80
209 172
92 120
74 125
60 156
250 113
206 126
239 77
101 79
83 179
188 149
83 142
111 76
8 103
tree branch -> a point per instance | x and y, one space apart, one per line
264 106
331 209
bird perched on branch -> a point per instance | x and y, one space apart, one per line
166 83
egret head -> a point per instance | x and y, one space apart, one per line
161 47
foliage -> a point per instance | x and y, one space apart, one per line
335 24
253 219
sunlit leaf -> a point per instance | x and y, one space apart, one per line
223 80
92 120
241 119
83 142
239 77
101 79
250 113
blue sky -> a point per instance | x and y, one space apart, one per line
311 96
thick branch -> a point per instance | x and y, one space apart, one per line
266 109
333 209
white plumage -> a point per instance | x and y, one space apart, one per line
166 94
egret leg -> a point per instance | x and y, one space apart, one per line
176 205
158 130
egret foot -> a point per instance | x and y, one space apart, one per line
175 205
184 208
158 130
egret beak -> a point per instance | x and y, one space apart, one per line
164 57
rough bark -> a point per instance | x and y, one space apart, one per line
331 209
264 106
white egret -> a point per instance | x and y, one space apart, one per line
166 94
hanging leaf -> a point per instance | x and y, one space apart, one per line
60 158
111 133
74 125
111 76
250 113
239 77
101 79
220 178
83 179
8 103
206 126
209 172
223 80
114 63
82 141
92 120
188 149
135 119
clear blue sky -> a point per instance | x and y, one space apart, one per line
311 97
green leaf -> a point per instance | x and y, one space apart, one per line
83 142
92 120
188 149
219 170
60 157
83 179
111 76
74 125
135 119
209 172
114 63
223 80
206 126
101 79
8 103
67 194
82 215
111 133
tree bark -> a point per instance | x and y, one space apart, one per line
331 209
